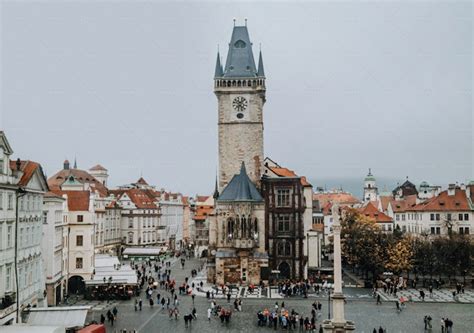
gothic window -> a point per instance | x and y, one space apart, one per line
280 248
230 228
243 227
283 198
287 249
250 229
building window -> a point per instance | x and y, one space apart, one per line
432 217
130 222
466 217
10 201
464 230
80 218
403 217
460 217
438 217
79 240
283 198
397 217
79 263
284 223
1 200
130 237
45 217
8 278
9 236
435 230
448 216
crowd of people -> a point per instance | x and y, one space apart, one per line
281 317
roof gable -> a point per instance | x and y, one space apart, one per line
240 61
7 149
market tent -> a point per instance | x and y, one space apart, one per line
73 316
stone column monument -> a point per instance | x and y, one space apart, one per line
338 323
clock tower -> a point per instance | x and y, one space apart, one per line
240 91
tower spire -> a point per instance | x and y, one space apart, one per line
216 190
240 61
75 163
218 72
261 71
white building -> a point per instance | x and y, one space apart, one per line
54 249
172 216
370 188
25 183
140 217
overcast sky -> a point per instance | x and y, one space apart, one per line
350 86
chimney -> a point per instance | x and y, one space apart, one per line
451 189
66 165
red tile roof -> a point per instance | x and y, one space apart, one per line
285 172
55 182
98 167
28 168
76 200
444 202
202 212
141 198
403 205
202 198
141 181
371 211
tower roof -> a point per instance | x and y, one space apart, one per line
240 188
370 176
240 61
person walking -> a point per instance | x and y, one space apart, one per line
443 325
379 300
136 305
140 304
115 312
102 318
209 312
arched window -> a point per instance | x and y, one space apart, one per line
287 249
230 228
255 228
281 248
243 227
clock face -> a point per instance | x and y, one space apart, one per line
239 103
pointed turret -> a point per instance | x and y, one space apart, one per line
261 71
75 163
218 72
216 191
240 61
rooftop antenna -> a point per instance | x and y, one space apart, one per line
234 21
245 21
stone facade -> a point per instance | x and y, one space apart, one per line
240 139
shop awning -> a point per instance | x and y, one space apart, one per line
73 316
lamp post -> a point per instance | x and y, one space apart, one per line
329 304
20 192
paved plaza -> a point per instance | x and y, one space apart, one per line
360 307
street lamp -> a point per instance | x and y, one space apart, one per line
20 192
329 304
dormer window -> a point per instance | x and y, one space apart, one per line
240 44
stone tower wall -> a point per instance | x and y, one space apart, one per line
240 139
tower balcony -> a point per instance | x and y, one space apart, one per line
239 84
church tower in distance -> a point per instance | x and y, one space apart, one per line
240 91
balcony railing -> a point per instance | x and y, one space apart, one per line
242 243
